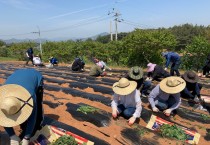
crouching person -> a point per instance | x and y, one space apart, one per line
96 71
166 95
21 104
126 101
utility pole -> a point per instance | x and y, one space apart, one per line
40 44
117 19
111 31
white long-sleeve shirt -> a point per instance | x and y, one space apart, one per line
131 100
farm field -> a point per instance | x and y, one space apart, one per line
66 91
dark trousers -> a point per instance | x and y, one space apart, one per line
174 68
206 70
77 68
29 59
163 105
126 112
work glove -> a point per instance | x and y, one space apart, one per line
165 68
114 112
167 112
155 109
196 99
25 142
14 140
131 120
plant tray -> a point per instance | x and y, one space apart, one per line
155 123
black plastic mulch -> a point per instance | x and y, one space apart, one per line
50 121
77 93
52 105
99 118
80 85
207 137
133 136
192 116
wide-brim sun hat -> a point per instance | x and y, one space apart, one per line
135 73
172 85
16 105
124 86
150 67
191 77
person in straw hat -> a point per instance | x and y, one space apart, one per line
126 100
136 74
166 95
21 104
192 89
156 72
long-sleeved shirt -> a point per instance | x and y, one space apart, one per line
78 62
131 100
30 79
192 87
171 57
95 71
157 94
158 73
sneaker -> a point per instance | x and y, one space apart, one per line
143 95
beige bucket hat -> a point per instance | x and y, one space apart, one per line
172 85
16 105
124 86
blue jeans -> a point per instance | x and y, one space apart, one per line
146 86
163 105
126 112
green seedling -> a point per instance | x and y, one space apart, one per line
87 109
65 140
173 131
205 117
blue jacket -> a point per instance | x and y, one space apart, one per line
53 61
171 57
30 79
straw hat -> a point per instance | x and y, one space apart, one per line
150 67
191 77
135 73
124 86
172 85
16 105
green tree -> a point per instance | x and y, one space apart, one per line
195 54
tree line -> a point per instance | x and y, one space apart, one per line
138 47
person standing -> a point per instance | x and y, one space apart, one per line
174 59
21 104
29 55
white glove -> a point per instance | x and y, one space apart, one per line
114 112
155 109
196 100
25 142
167 112
14 140
165 68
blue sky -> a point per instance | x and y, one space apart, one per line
86 18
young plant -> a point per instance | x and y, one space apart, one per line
173 131
65 140
205 117
87 109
